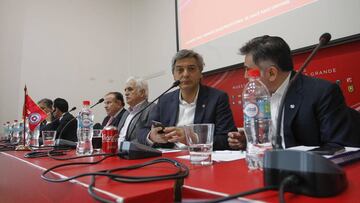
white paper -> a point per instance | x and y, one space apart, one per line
218 156
307 148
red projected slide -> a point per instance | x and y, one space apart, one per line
205 20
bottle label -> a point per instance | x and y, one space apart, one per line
86 122
251 110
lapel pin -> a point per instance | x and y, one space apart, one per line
292 106
203 105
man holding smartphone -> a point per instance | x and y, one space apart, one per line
192 103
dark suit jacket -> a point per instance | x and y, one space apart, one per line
138 122
212 106
66 127
315 113
116 121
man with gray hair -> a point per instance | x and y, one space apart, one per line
193 103
136 96
47 106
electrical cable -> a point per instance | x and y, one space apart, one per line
181 172
289 180
50 154
7 147
250 192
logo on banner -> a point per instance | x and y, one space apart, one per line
34 118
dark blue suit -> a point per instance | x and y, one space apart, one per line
315 113
212 106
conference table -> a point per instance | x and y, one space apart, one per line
20 181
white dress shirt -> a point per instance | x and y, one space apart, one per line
186 115
132 112
274 104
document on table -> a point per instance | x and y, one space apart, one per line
307 148
226 155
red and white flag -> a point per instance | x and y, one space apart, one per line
35 114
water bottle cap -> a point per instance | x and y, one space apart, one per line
254 72
86 102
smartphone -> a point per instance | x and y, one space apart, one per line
328 150
158 124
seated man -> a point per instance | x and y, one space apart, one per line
136 95
64 123
47 106
315 113
114 107
192 103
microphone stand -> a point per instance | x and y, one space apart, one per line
324 39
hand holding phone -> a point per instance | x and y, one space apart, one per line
158 124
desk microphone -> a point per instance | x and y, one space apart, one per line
100 101
72 109
301 172
136 150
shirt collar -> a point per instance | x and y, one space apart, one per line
136 107
117 113
183 102
280 91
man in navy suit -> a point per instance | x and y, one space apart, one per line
192 103
114 107
315 112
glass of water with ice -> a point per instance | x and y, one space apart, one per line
200 139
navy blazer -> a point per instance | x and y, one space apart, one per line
67 127
315 113
212 106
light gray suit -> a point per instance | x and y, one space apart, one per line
137 122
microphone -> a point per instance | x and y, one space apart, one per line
72 109
100 101
324 39
302 172
131 150
139 151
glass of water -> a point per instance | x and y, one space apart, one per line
200 139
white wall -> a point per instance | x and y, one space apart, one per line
82 49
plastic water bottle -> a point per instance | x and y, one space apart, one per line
7 131
85 122
16 134
32 138
257 119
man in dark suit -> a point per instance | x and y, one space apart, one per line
192 103
136 95
64 123
114 107
315 112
